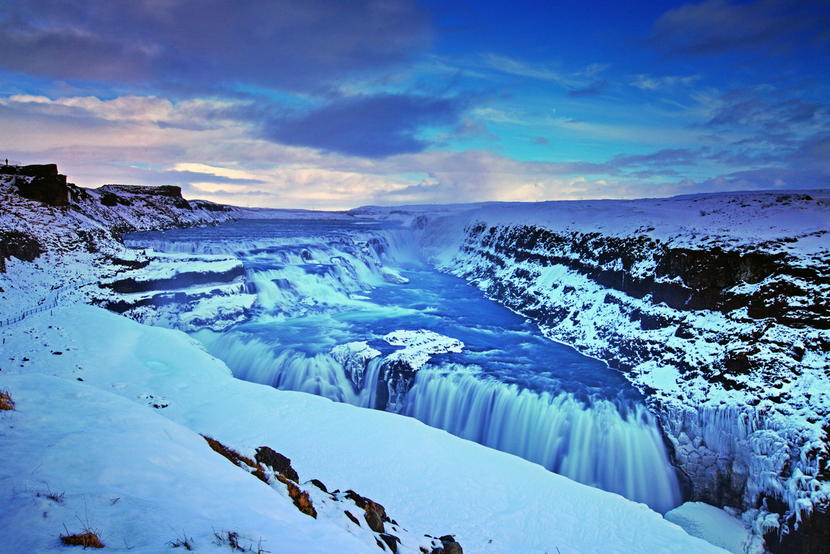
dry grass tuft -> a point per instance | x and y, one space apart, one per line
6 402
301 498
236 458
88 538
232 540
182 542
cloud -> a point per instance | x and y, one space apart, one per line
718 26
469 128
185 114
663 158
594 89
299 46
761 179
669 82
367 126
585 78
753 109
226 158
520 68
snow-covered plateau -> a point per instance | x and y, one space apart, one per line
714 306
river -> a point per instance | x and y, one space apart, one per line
330 292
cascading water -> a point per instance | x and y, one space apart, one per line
615 446
328 293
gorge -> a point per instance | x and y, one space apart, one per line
711 312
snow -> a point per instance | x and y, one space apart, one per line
143 476
771 417
122 445
717 527
419 346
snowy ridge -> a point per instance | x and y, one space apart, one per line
716 305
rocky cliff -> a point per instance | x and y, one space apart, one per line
71 236
41 208
716 307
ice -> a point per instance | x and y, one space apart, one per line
716 527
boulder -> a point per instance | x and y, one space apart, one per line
375 513
277 462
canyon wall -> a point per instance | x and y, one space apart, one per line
722 321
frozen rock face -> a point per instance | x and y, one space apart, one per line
355 358
399 368
714 306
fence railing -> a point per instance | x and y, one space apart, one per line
32 311
48 304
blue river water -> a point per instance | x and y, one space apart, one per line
321 284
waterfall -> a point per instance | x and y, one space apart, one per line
322 287
315 373
615 446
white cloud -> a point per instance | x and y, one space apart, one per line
670 82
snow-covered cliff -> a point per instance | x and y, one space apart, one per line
72 238
716 306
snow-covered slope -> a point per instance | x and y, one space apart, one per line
108 414
716 306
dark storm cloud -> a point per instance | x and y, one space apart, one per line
719 26
277 43
367 126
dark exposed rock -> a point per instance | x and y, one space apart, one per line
131 264
39 170
375 513
351 517
20 245
450 546
276 461
181 280
391 541
110 199
45 185
813 536
319 484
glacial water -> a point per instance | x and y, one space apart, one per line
323 284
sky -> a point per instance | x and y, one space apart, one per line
338 104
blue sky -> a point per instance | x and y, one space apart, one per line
333 105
